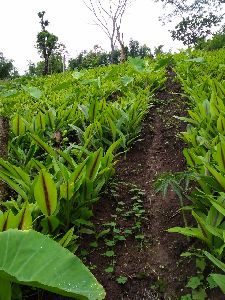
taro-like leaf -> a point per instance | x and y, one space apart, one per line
77 75
45 193
137 63
5 289
33 91
196 60
9 93
33 259
126 80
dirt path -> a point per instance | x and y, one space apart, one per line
154 270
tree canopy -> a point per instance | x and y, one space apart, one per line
46 42
7 69
196 18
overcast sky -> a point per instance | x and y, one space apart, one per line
71 21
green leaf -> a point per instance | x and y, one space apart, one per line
110 243
13 185
219 280
9 93
33 91
218 205
211 282
45 193
193 282
30 258
121 279
200 264
188 231
137 63
110 253
18 125
77 74
110 269
186 297
197 60
215 260
218 176
126 80
42 144
5 289
199 294
67 238
67 190
93 164
24 218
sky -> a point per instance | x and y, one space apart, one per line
73 23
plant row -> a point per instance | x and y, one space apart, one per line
203 82
65 131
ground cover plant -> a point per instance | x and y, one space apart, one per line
65 131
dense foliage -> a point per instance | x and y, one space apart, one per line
7 69
202 77
98 57
65 132
196 19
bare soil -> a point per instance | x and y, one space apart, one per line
155 269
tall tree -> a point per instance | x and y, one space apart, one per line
108 16
196 18
46 42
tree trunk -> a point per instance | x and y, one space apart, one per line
112 52
122 47
4 136
123 53
46 68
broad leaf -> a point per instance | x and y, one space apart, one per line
33 91
30 258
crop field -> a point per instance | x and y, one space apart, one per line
113 181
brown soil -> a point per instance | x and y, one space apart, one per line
155 270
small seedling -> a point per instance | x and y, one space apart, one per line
121 279
110 269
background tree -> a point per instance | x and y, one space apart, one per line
99 57
46 42
216 42
194 28
56 62
7 69
108 16
136 50
197 19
